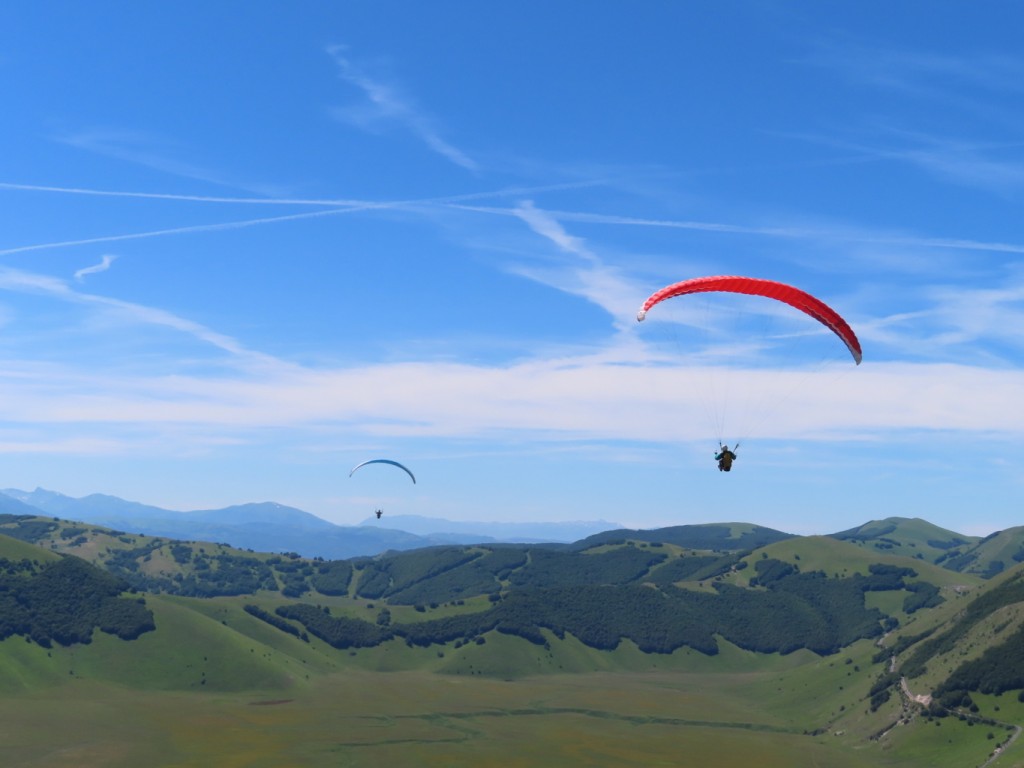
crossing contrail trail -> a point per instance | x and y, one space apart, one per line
350 207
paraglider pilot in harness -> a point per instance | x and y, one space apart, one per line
725 457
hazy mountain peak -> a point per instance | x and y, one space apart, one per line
262 512
560 531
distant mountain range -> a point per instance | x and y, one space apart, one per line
563 532
272 527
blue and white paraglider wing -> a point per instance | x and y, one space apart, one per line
384 461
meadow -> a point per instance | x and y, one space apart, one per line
739 708
412 718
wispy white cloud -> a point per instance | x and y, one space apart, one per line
549 227
585 274
387 104
569 399
920 73
801 233
27 282
987 314
979 166
106 260
142 149
994 166
70 446
617 392
981 89
971 322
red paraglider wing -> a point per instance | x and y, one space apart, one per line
768 288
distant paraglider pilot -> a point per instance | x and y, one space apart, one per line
725 457
379 513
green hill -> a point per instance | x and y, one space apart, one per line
990 556
793 647
921 540
64 600
715 537
911 537
839 558
16 549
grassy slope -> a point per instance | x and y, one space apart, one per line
1002 547
990 631
98 544
917 538
909 536
188 651
845 558
13 549
146 702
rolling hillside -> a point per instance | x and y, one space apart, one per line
829 633
986 557
817 593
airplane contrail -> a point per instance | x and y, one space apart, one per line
355 206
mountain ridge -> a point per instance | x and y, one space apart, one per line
566 531
273 527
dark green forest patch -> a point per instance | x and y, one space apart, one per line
791 612
64 601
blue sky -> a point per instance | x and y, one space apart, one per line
247 245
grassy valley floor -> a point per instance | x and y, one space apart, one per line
362 718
